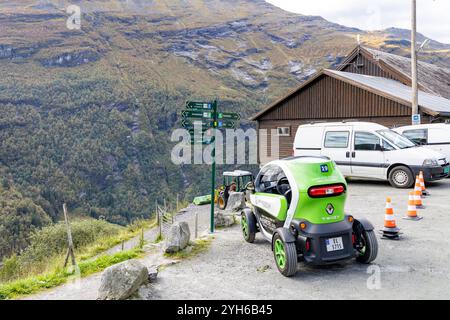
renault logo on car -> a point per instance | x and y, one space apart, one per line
330 209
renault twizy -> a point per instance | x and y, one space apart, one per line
298 205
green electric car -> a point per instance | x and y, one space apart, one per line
298 205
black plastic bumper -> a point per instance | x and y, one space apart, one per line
432 173
318 234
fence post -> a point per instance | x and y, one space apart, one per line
160 223
70 252
156 212
196 225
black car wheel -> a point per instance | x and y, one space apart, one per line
368 249
401 177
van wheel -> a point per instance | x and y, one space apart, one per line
401 177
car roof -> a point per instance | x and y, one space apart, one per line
426 126
355 124
307 159
237 173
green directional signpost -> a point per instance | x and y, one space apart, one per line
204 115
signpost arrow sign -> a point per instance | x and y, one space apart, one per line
199 105
226 124
228 116
196 114
189 123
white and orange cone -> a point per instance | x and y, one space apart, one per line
390 230
425 193
418 195
412 210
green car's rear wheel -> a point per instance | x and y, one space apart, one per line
369 249
285 255
248 223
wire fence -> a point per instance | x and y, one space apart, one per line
167 215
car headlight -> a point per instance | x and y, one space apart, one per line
431 163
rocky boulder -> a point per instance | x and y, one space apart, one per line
122 280
178 237
236 201
223 219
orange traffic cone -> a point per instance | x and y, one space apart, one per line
412 211
390 230
422 185
418 195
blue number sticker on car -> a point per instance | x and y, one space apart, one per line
324 168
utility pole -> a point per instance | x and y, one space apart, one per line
414 73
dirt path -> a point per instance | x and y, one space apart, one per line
414 268
87 288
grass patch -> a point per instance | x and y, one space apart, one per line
34 284
197 247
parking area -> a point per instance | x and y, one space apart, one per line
416 267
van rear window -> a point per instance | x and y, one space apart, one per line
336 139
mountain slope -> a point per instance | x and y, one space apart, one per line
86 115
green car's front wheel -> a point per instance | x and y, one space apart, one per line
285 255
248 225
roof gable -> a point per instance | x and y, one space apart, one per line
432 79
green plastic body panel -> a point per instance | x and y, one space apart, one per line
309 175
274 204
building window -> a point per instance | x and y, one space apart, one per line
336 139
284 131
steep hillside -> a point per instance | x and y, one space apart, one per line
86 115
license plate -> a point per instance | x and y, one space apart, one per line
447 170
334 244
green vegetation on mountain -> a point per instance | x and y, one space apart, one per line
86 115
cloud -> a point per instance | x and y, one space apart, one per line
375 15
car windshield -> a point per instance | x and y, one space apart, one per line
396 139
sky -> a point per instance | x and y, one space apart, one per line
433 16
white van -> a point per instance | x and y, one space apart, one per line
370 150
435 136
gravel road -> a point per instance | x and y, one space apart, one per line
414 268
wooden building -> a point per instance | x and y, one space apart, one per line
370 86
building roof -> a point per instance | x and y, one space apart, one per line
432 79
394 90
391 89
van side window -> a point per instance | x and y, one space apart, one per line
365 141
336 139
419 136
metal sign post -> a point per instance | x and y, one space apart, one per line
213 173
206 116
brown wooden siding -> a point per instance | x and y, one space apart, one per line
287 143
361 65
328 98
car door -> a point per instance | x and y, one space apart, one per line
368 159
337 146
